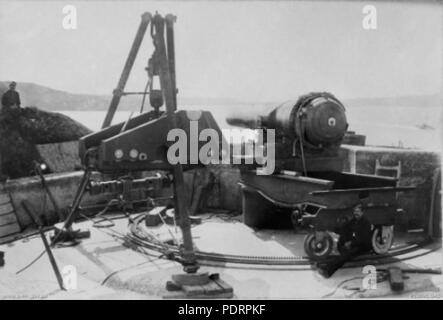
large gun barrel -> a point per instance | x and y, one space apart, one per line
244 120
318 119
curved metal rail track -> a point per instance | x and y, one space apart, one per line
141 238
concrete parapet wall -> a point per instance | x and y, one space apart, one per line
63 187
417 169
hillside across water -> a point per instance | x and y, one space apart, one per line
408 121
52 100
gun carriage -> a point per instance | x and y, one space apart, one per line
308 182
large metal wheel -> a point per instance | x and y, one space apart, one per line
318 245
382 239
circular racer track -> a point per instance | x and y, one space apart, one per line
140 237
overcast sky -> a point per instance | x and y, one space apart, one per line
252 51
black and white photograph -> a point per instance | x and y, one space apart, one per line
218 151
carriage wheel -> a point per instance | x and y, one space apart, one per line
318 246
382 239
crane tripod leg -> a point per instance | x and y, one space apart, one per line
66 234
192 284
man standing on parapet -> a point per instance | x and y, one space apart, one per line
10 111
11 98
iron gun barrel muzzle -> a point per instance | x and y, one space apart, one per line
317 118
244 120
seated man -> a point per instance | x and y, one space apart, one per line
355 239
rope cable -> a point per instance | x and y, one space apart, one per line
148 83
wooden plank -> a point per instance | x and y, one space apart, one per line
8 219
192 291
226 287
6 208
9 229
191 280
212 288
4 198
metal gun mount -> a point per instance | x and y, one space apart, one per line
141 143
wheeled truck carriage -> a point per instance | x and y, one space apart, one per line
320 201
